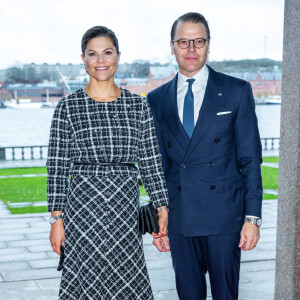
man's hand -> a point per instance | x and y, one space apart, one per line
162 244
162 223
249 236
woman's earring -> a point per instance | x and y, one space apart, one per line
85 69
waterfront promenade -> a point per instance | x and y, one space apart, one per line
28 265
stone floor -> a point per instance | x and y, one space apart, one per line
28 266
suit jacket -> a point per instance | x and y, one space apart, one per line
214 178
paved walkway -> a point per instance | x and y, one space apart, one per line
28 265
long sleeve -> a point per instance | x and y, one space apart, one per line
58 162
249 153
150 162
161 144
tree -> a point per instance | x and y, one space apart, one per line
14 74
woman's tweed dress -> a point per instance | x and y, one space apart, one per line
103 248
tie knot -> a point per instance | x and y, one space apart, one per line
190 81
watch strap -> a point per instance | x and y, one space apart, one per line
53 220
255 221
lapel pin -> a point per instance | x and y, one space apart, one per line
220 94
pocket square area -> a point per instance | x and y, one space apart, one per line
223 113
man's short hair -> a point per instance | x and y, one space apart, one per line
192 17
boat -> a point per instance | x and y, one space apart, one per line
273 100
47 105
2 105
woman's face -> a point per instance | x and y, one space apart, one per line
101 58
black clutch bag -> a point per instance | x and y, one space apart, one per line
148 219
61 259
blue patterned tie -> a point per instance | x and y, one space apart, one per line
188 110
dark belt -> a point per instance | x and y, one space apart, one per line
114 164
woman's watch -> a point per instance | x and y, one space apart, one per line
255 221
53 220
162 208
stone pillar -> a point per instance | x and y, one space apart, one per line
287 278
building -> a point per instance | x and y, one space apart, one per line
37 92
263 83
54 72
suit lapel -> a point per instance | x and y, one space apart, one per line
171 115
211 104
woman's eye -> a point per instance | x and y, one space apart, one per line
108 52
91 54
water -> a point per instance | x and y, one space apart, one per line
25 127
268 120
31 126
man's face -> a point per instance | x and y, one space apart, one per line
192 59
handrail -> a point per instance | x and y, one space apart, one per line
23 152
270 143
40 152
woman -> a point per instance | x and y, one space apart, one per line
102 131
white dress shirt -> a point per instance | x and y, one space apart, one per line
198 89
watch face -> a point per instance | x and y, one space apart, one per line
52 220
258 222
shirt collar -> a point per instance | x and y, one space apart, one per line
200 77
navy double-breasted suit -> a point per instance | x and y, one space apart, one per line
214 178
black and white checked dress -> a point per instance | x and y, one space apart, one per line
104 251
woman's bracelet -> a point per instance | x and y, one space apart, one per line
161 209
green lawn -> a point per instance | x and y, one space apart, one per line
269 196
27 189
23 189
28 210
270 177
31 189
142 191
271 159
21 171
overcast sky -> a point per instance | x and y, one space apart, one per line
50 30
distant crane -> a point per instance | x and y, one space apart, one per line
63 78
265 48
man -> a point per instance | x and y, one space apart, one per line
210 145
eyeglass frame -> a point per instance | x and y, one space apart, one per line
205 40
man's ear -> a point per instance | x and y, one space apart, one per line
172 48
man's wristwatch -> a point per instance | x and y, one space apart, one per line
255 221
52 220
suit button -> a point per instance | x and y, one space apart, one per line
213 187
169 144
179 188
210 164
217 140
183 165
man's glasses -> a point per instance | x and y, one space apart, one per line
185 43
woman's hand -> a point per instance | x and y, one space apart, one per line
162 222
57 236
